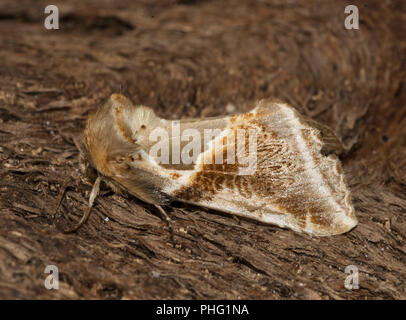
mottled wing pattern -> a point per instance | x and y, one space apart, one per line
294 185
295 181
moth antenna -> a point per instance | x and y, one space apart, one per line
62 192
92 198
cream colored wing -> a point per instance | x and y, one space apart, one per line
292 183
291 178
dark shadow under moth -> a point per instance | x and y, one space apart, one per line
271 164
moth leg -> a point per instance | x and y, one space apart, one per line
165 216
163 213
236 219
93 195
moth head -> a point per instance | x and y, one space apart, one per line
117 129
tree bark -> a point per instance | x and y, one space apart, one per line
191 59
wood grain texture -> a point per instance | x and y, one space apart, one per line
190 61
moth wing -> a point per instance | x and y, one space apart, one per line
292 182
295 180
132 164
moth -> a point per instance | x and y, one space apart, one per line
271 164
